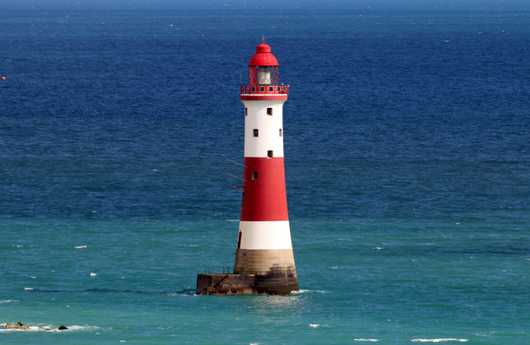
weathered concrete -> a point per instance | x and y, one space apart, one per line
276 282
225 284
261 261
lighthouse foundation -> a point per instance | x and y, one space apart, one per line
275 282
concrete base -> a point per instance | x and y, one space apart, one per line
277 282
263 261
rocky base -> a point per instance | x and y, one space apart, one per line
274 283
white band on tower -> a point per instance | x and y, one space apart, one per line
265 235
263 128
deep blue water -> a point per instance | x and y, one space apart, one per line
408 173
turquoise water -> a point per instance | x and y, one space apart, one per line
407 162
393 281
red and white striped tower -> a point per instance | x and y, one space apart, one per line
264 245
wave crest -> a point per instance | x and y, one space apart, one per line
6 301
372 340
438 340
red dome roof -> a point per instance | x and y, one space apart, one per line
263 56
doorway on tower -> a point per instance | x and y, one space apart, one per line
270 154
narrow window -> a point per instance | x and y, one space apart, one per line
280 132
239 240
269 111
256 132
269 153
261 88
254 176
246 111
270 88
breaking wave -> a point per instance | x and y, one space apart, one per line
372 340
305 291
438 340
6 301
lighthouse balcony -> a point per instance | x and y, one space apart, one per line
265 89
264 92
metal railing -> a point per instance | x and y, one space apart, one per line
268 89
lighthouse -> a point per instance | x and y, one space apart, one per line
264 243
264 259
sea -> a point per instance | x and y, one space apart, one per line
407 143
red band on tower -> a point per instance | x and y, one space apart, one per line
264 197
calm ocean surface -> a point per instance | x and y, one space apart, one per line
408 172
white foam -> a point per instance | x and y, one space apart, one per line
371 340
6 301
438 340
93 274
81 247
28 289
378 248
314 325
53 329
299 292
72 328
183 293
304 291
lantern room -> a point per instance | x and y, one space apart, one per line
264 74
263 67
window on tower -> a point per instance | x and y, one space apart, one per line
281 132
269 111
256 132
254 176
246 111
269 153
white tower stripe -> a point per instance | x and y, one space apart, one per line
265 235
268 128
